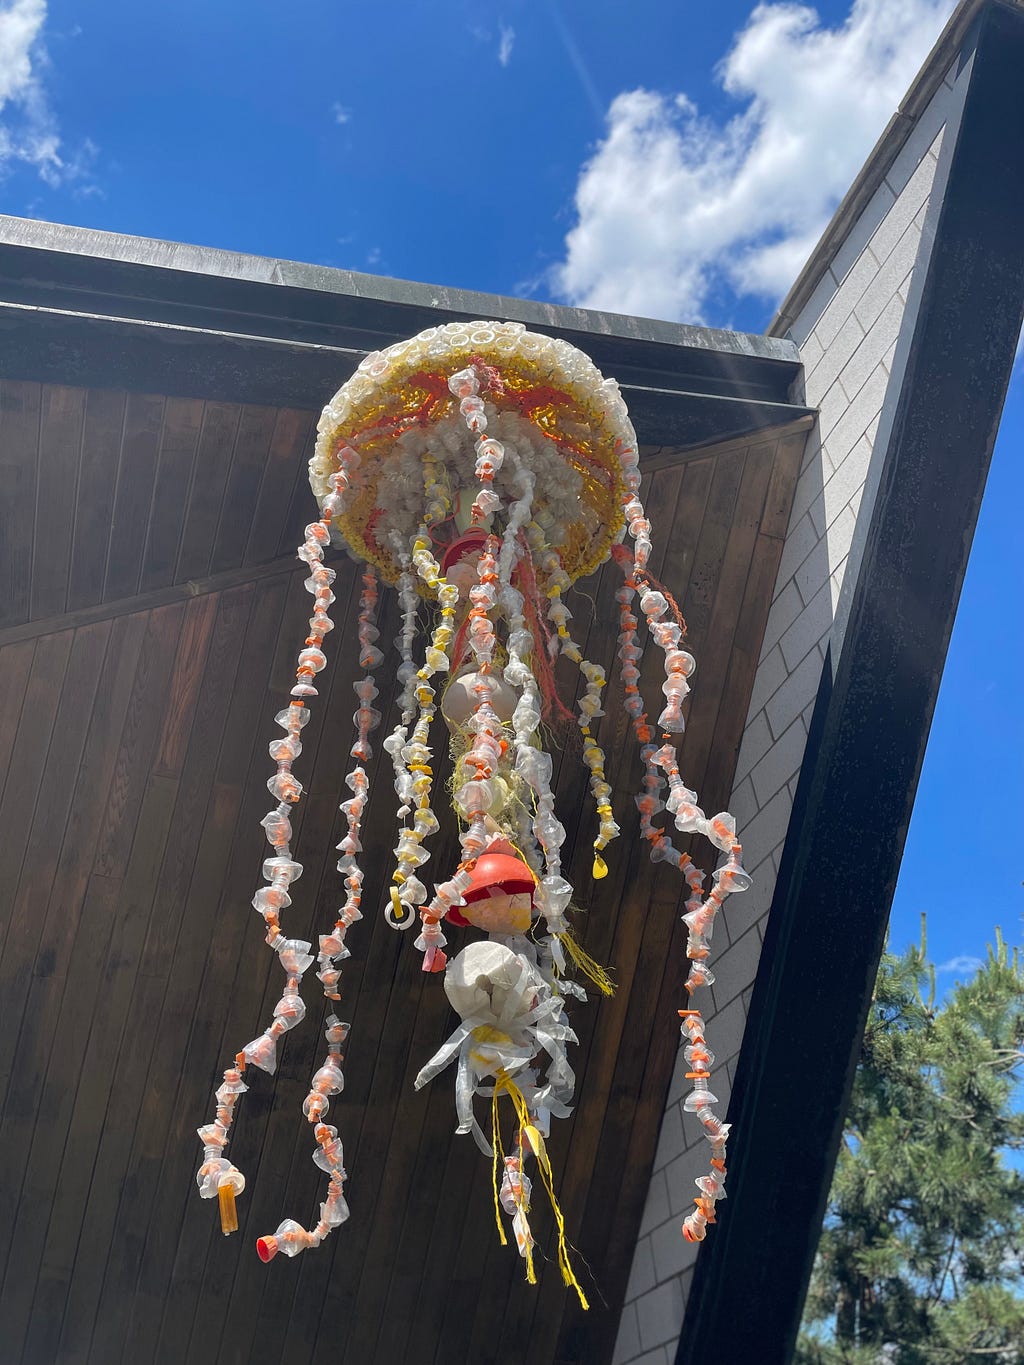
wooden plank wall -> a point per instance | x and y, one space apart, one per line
108 494
134 764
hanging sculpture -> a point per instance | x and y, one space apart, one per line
482 469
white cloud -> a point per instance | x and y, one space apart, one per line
960 966
28 128
20 25
506 39
341 114
674 208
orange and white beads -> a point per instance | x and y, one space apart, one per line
661 770
291 1237
217 1176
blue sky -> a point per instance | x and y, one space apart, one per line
525 147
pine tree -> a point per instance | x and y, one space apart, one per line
921 1258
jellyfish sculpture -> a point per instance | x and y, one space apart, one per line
479 470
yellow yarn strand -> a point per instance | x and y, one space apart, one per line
498 1162
522 856
504 1082
585 964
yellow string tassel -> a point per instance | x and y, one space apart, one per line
504 1083
585 964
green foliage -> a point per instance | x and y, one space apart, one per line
921 1258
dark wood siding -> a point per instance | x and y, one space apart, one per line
108 494
134 740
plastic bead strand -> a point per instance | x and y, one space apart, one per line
476 798
465 386
291 1237
411 759
533 765
366 719
528 758
217 1175
649 802
688 819
395 743
699 918
589 705
407 890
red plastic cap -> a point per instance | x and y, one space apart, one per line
266 1248
502 871
499 868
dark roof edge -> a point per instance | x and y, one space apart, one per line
876 167
159 255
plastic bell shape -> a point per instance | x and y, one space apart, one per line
290 1238
460 699
733 878
500 913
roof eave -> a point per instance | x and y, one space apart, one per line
155 275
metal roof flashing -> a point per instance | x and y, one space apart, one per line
138 263
100 309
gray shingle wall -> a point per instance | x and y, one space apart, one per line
851 334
